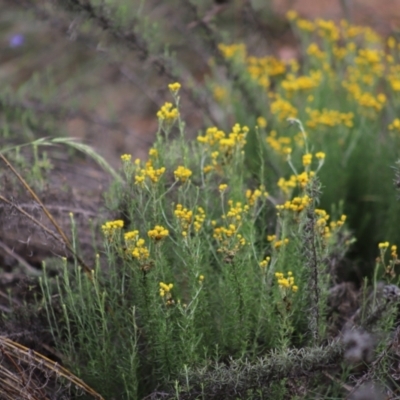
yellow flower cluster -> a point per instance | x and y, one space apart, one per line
235 140
287 185
394 77
149 170
279 243
264 263
236 210
221 233
369 101
331 32
233 51
395 125
393 251
111 226
221 145
174 87
328 118
297 204
158 233
165 289
222 187
305 25
262 122
327 29
304 178
182 173
286 282
261 68
233 220
126 157
220 94
212 136
314 51
280 145
168 113
185 218
294 84
283 109
165 293
307 159
322 223
383 245
136 246
253 196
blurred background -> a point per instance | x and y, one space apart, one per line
107 96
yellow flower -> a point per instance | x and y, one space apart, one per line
383 245
165 290
261 122
168 113
153 152
182 173
291 15
222 187
111 226
158 233
174 87
307 158
126 157
320 155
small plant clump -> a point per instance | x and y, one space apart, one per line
217 273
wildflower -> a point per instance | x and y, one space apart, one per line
320 155
153 152
158 233
199 219
237 51
126 157
140 251
165 292
264 263
286 283
291 15
222 187
307 158
111 226
132 235
383 245
149 171
168 113
253 196
261 122
201 278
182 173
220 94
174 87
395 125
283 109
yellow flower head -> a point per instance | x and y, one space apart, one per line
174 87
126 157
158 233
182 173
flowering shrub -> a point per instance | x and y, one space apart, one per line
225 253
